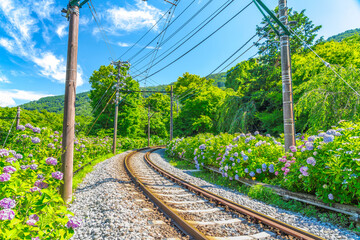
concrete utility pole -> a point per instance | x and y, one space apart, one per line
18 117
149 126
119 85
171 113
69 105
288 107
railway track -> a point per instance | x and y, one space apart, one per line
202 214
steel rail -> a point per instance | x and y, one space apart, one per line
171 213
283 227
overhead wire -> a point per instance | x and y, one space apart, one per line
140 51
325 63
102 31
202 41
198 29
175 32
157 22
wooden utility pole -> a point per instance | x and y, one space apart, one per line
149 126
69 105
18 117
288 106
171 113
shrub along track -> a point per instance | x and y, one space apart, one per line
202 214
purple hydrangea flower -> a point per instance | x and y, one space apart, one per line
31 222
271 168
5 177
34 189
24 167
4 153
41 184
258 170
40 176
57 175
231 159
263 166
36 130
56 132
252 174
35 238
236 154
9 169
73 223
30 155
311 161
18 156
331 197
245 157
246 170
328 138
28 125
50 145
202 146
7 214
7 203
331 132
35 140
34 217
33 166
304 170
256 133
56 140
20 127
309 146
51 161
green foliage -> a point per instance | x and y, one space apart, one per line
36 118
55 104
325 165
219 79
339 37
132 114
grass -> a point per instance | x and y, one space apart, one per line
267 195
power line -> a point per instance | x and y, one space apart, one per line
146 32
198 43
199 28
175 32
135 55
102 32
324 62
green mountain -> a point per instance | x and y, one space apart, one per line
339 37
219 79
55 104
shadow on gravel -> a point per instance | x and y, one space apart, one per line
106 180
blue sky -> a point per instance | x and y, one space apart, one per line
33 39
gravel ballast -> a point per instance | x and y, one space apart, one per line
111 207
312 225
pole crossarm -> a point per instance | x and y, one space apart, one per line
259 4
77 3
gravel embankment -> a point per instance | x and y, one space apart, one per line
322 229
111 207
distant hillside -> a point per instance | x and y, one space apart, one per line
339 37
153 88
55 104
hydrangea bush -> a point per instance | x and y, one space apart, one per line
30 177
326 165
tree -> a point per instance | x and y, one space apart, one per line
132 115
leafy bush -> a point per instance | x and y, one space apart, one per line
326 164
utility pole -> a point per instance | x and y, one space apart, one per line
149 126
119 85
18 117
171 113
288 106
69 104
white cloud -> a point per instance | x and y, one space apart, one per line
131 19
43 8
7 97
20 28
122 44
55 68
84 21
3 78
60 30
